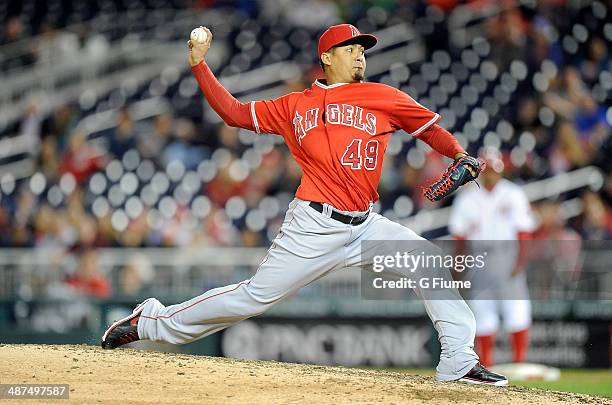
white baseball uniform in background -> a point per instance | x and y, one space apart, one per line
488 216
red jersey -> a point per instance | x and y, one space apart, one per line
338 134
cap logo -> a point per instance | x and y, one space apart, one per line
354 31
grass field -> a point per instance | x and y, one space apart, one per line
593 382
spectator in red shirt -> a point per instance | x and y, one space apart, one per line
87 279
81 160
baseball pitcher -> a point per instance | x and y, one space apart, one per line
337 130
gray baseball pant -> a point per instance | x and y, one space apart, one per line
309 246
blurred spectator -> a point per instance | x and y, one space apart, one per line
47 230
106 232
566 151
136 234
597 60
565 93
181 148
87 232
60 125
591 123
251 239
30 128
554 254
26 207
224 186
123 137
5 228
136 276
152 145
271 176
527 117
14 31
75 205
595 222
228 137
506 32
48 162
538 42
81 160
551 223
87 278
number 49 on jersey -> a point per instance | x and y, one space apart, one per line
354 157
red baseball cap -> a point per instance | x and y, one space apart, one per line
338 34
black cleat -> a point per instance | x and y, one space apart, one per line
480 375
123 331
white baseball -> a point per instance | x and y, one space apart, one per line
199 35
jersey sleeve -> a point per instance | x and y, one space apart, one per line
271 116
523 216
411 116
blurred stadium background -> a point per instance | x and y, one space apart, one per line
118 182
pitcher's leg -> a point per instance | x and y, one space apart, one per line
303 252
456 327
281 275
448 312
452 319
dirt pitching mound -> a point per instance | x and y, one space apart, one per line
139 377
